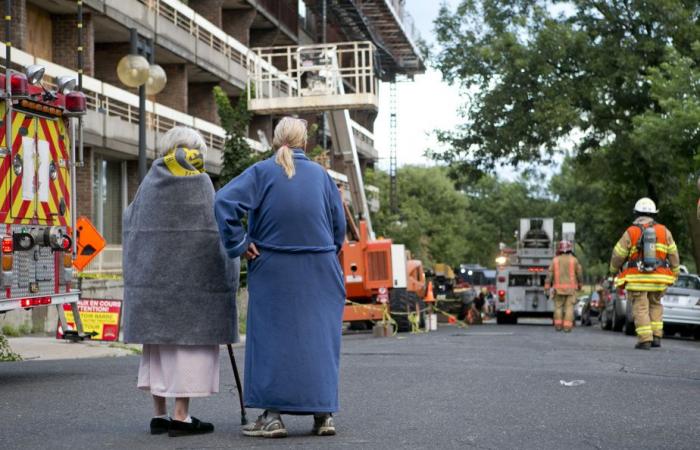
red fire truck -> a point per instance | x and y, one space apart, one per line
37 191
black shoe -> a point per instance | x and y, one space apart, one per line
179 428
159 425
656 343
643 346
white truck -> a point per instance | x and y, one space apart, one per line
520 281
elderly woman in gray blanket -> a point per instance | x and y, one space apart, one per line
179 284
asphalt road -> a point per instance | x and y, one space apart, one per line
484 387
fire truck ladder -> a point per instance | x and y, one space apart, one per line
325 77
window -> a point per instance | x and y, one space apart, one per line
108 197
688 282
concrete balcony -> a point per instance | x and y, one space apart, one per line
364 140
177 28
113 116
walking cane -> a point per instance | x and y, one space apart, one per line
244 419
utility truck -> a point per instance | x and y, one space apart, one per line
520 279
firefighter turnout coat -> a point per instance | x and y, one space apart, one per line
626 254
565 275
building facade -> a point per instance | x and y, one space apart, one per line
200 44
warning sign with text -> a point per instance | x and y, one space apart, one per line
98 316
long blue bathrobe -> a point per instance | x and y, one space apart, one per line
296 289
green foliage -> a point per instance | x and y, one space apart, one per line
441 223
237 154
10 330
6 353
619 80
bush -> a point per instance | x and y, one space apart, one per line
6 353
10 330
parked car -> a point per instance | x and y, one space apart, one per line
614 314
682 306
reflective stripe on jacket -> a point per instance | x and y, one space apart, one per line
626 249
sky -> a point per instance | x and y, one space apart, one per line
424 104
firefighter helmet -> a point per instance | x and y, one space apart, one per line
565 247
645 205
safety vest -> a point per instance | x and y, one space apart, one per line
635 280
565 277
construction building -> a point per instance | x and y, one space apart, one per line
200 44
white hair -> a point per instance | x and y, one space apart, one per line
180 136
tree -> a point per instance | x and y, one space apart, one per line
441 223
539 80
237 154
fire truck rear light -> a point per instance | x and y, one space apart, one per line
501 295
67 260
7 245
37 301
508 311
7 262
501 279
18 84
76 102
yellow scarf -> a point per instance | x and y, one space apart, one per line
184 162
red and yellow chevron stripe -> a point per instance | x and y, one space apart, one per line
49 165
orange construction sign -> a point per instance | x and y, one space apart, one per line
89 243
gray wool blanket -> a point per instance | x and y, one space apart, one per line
179 284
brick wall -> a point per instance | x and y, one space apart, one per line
200 101
107 56
19 24
65 42
209 9
83 184
174 94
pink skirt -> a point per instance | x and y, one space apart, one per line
179 370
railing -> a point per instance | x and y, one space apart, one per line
187 20
315 70
115 102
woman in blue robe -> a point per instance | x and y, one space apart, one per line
296 227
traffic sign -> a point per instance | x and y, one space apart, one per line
89 243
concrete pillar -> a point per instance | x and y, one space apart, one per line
132 179
65 42
174 94
18 26
200 101
237 23
209 9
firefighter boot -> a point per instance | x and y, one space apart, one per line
643 346
656 343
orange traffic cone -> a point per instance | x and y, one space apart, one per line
429 298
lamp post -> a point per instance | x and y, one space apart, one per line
137 69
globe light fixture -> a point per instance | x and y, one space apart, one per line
156 79
133 70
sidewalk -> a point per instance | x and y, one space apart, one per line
46 348
43 348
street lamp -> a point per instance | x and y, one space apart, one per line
138 70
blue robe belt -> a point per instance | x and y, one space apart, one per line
295 248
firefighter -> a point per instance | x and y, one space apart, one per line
648 258
565 277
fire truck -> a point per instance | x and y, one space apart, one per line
521 276
37 191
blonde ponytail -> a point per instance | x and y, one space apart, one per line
285 159
290 133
